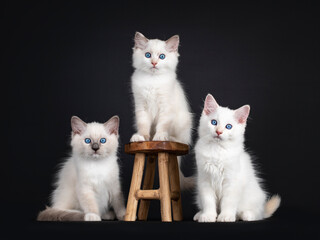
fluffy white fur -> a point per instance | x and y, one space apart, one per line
88 181
161 108
227 185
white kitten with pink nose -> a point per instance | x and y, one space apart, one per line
227 185
161 107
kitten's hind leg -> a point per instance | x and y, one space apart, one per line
183 135
248 215
117 202
251 206
181 129
186 183
196 217
108 215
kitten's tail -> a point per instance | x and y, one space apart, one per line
186 183
54 214
271 205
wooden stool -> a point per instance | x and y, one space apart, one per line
169 190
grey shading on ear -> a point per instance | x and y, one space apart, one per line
172 43
210 105
112 125
78 126
140 41
242 113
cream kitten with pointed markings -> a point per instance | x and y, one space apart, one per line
88 184
161 109
227 185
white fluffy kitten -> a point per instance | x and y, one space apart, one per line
161 108
226 180
88 183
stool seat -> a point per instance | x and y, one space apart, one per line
156 147
165 152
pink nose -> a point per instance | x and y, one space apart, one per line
154 63
218 132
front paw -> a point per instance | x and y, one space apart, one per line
161 136
226 217
92 217
137 138
205 217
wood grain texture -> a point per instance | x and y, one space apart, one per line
165 198
175 188
153 194
169 189
136 179
148 182
156 147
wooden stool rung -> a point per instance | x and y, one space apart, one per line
148 194
166 153
175 195
155 194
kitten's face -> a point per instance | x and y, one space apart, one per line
155 56
221 124
94 140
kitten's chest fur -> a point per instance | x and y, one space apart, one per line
218 163
150 95
152 92
214 160
98 175
214 164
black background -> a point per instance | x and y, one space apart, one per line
74 58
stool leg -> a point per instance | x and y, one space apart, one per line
175 187
147 184
165 198
135 185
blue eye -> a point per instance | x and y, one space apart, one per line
228 126
148 55
87 140
103 140
162 56
214 122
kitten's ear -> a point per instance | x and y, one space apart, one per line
112 125
78 126
210 105
241 114
172 43
140 41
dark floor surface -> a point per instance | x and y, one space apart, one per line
287 223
